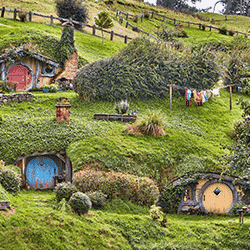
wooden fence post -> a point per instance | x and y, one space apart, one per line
30 16
142 16
152 14
3 10
237 32
210 27
230 91
200 26
163 20
93 33
125 39
127 16
51 20
15 11
170 96
174 21
111 35
188 24
126 25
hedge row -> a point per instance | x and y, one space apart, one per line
140 190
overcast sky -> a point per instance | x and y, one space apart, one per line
200 5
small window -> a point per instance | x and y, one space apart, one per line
187 194
48 69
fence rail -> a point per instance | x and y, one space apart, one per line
133 27
200 25
30 15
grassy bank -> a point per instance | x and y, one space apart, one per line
35 222
194 135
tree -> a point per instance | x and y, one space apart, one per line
236 7
180 5
103 21
75 9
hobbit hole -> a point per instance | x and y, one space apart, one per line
211 193
44 170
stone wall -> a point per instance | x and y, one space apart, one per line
17 97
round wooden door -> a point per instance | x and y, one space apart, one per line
217 198
21 74
40 172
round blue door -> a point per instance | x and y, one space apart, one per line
40 172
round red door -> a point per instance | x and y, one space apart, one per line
20 74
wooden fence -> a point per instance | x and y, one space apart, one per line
52 19
134 28
175 21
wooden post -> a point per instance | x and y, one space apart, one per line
117 13
237 32
174 21
170 96
152 14
163 19
188 24
127 16
125 39
111 35
51 20
210 27
30 16
93 33
230 91
200 26
142 16
126 25
3 10
15 11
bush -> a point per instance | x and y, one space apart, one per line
168 34
98 199
140 190
144 69
64 190
53 88
80 203
75 9
223 31
9 179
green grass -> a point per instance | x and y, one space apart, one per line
36 223
193 134
89 47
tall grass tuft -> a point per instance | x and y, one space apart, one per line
152 123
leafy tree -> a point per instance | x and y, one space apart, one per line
180 5
236 7
75 9
103 21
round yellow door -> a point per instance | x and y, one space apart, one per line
217 198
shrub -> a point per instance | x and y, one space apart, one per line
64 190
53 88
9 179
140 190
146 15
168 34
223 31
80 203
75 9
98 199
122 107
4 196
144 69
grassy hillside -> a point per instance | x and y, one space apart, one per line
130 6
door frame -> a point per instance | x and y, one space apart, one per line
204 187
28 67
